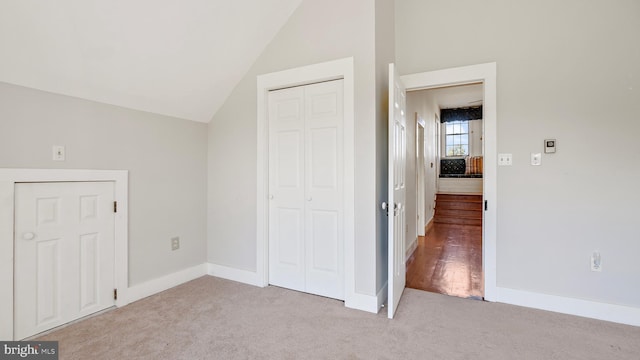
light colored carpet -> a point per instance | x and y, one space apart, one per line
211 318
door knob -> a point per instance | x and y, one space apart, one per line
309 198
270 196
28 236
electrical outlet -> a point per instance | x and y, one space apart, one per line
175 243
596 261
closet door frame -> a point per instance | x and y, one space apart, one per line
332 70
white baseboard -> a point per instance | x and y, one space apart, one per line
368 303
151 287
243 276
585 308
411 249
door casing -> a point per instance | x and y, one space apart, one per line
421 222
485 73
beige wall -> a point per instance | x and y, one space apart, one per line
567 70
166 159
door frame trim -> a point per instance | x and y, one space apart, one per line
485 73
420 210
8 179
331 70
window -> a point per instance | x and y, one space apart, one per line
457 138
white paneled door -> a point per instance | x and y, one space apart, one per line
64 253
306 189
397 187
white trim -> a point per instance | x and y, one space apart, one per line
382 296
485 73
412 248
8 178
420 169
585 308
368 303
337 69
166 282
242 276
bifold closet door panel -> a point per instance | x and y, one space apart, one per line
286 188
324 143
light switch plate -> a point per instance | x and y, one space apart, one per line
536 159
505 159
549 146
58 153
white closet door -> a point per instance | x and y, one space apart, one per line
306 189
286 188
324 189
64 253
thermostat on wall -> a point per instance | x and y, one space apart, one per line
550 146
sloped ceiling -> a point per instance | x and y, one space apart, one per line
179 58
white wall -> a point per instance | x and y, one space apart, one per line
424 104
318 31
567 70
166 159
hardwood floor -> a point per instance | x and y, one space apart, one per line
448 260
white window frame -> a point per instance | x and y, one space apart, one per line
444 131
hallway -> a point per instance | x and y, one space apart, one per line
448 260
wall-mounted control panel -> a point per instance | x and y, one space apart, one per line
549 146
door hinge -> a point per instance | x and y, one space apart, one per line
115 206
385 207
115 294
485 205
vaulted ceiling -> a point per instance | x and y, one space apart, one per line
177 58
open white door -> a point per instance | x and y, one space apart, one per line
396 203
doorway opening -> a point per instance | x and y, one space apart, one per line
446 254
480 155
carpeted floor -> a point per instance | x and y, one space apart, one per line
211 318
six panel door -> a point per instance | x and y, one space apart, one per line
64 253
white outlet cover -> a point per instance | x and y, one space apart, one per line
58 153
175 243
